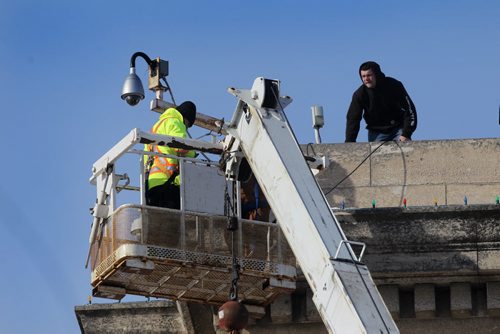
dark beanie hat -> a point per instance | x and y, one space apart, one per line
188 111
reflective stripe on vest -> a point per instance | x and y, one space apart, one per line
161 164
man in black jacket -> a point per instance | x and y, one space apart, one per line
385 105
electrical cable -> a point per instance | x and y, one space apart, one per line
202 153
355 169
142 55
404 174
169 90
205 135
312 149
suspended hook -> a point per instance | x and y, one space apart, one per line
233 292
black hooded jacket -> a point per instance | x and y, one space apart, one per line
385 108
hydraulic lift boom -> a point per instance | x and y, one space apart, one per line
344 292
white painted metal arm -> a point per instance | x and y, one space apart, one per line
344 292
136 136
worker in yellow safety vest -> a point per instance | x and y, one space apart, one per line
162 174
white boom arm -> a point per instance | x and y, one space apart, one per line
344 292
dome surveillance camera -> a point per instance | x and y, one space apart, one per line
132 90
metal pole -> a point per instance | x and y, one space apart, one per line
317 136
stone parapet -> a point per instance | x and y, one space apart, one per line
421 171
138 317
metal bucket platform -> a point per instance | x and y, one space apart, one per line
157 252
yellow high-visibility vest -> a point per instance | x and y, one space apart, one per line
171 123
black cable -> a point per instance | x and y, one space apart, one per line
202 153
355 169
142 55
205 135
169 90
312 148
404 173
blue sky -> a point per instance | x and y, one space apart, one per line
63 64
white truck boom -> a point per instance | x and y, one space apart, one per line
344 292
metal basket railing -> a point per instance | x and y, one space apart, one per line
196 238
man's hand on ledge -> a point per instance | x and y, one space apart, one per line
403 138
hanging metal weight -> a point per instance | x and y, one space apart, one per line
233 316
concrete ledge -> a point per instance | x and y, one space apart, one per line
138 317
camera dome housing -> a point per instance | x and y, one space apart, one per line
132 91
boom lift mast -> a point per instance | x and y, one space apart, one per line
344 292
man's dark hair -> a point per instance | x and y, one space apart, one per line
371 65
